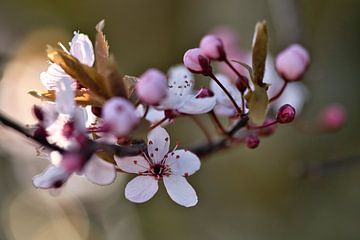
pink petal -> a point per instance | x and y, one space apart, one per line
99 171
136 164
141 189
194 105
183 162
158 144
180 191
51 177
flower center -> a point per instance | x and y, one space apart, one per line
159 170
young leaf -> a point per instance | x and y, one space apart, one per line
114 81
101 49
85 75
259 52
258 104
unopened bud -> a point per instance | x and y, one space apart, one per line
38 113
286 114
252 141
333 117
196 62
212 47
152 87
292 62
242 83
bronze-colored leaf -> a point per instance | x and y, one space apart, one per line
114 81
258 104
48 95
101 49
106 156
130 82
259 52
84 74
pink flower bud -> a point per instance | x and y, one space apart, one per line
333 117
195 61
212 47
204 93
152 87
286 114
292 62
119 116
252 141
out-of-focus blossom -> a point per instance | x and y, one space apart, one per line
224 106
152 87
160 164
252 141
153 115
292 62
82 49
333 117
212 47
119 116
181 97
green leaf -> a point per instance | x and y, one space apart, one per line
259 52
258 102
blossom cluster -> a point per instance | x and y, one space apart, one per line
90 109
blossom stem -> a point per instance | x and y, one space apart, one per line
159 123
217 122
226 92
279 93
263 126
202 127
241 77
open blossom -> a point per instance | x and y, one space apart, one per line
152 87
160 164
224 106
65 123
63 166
82 49
119 116
181 97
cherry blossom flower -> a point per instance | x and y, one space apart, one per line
181 97
62 167
160 164
119 116
224 106
82 49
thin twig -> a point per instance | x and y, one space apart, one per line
202 127
279 93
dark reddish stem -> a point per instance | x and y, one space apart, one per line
241 77
263 126
159 123
217 123
226 92
279 93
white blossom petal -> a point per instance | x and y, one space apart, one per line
99 171
65 102
223 101
180 191
141 189
158 144
181 81
82 48
54 74
53 176
136 164
182 162
194 105
295 94
153 115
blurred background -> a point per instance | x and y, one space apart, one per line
243 194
